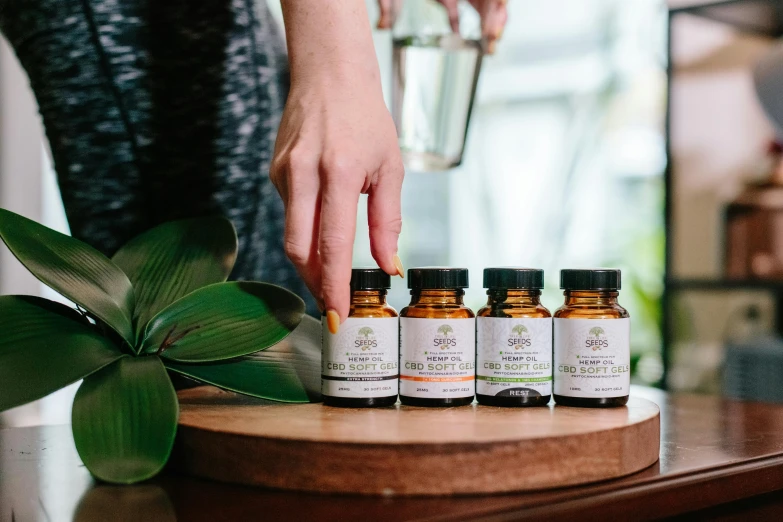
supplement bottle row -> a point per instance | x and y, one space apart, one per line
441 356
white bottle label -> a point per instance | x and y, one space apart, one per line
514 356
592 357
437 358
361 360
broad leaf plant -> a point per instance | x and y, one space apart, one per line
161 303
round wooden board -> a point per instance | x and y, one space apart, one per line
407 450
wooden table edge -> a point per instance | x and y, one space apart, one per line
652 498
198 449
652 418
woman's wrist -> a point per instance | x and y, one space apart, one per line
338 79
330 42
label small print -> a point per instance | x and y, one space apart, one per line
592 357
361 360
514 356
437 358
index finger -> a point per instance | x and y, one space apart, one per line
494 15
453 11
339 203
385 18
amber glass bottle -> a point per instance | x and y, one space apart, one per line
437 340
359 364
592 357
513 340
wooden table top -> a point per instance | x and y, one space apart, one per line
714 452
315 448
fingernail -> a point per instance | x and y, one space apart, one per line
491 47
398 266
498 33
332 321
383 22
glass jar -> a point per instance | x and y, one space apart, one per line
514 340
360 363
437 340
435 75
592 356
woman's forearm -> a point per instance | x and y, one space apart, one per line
336 141
329 39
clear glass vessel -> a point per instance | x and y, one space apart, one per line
435 74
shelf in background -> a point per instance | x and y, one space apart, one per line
763 17
724 284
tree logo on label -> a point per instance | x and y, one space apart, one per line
366 332
519 329
520 337
365 343
445 330
446 339
597 343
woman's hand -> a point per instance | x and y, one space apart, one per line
336 140
493 17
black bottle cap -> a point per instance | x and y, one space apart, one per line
590 279
510 277
437 278
369 279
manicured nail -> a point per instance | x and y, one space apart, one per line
332 321
491 47
398 266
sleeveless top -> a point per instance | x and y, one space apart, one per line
158 110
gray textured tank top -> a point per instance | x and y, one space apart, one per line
159 110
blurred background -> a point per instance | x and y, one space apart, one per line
576 118
564 161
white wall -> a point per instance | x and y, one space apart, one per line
21 138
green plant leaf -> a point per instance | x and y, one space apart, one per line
72 268
173 259
124 420
289 371
45 346
222 321
263 377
